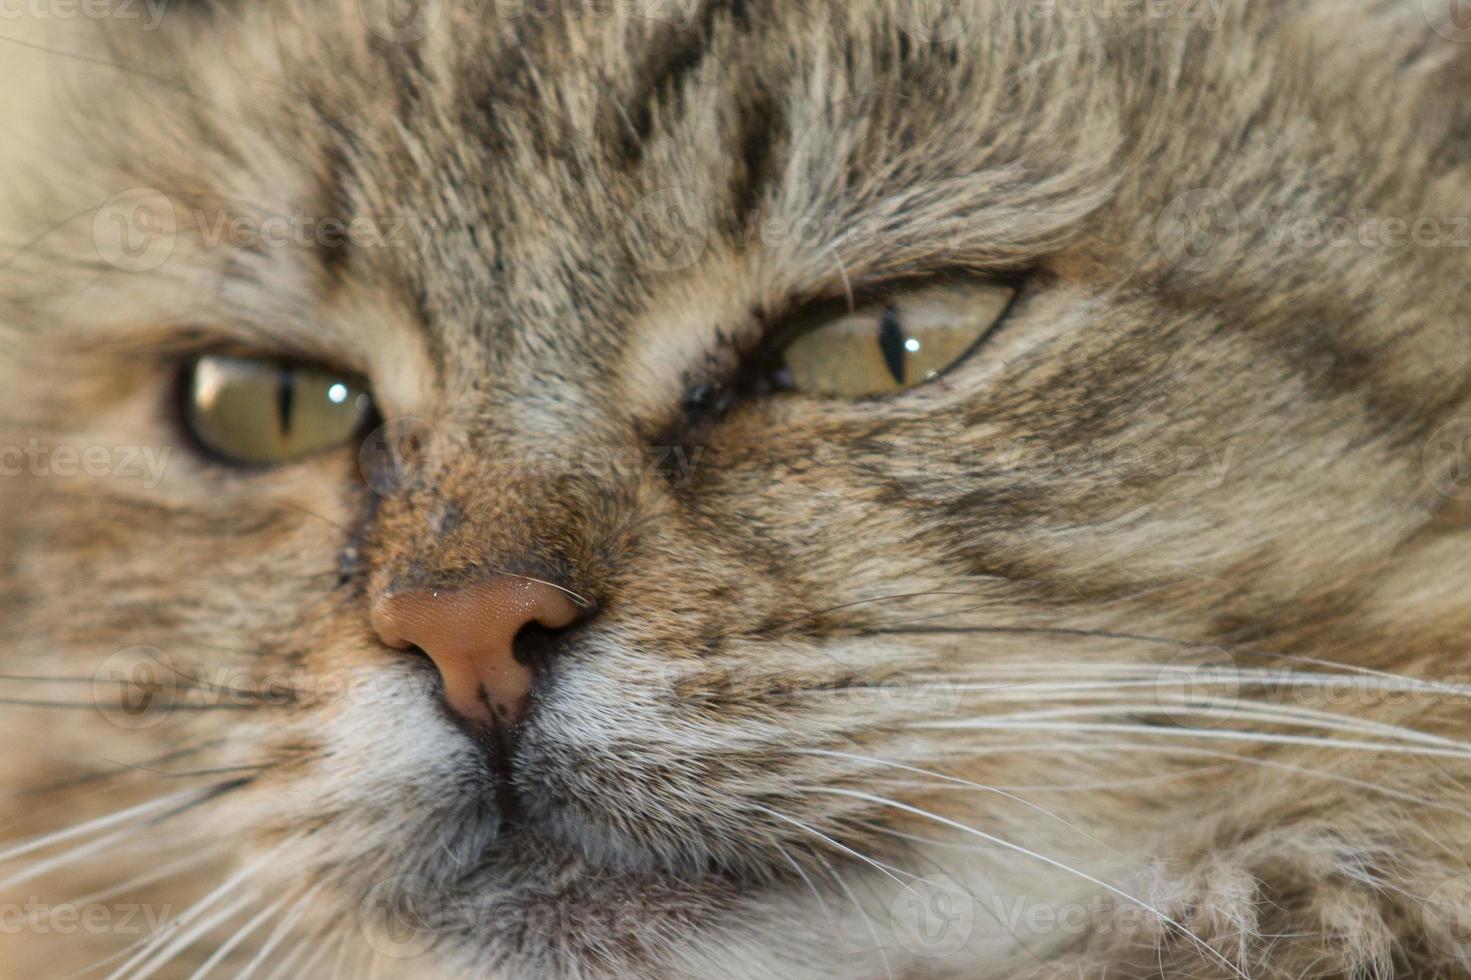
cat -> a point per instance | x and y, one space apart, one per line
735 488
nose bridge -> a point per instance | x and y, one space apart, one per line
547 501
470 634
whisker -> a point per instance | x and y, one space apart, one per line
69 857
949 779
1243 710
111 958
92 705
1027 852
240 936
1196 773
224 890
1147 675
1312 741
582 601
343 948
927 841
868 924
189 936
143 880
282 930
141 810
836 844
101 62
821 902
1229 758
283 968
192 773
1175 642
892 597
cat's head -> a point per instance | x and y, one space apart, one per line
696 489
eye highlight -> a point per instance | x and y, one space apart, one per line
895 344
260 412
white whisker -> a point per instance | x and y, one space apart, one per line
79 853
878 944
101 823
811 886
1243 710
283 968
1224 735
1027 852
1228 758
240 935
230 884
836 844
950 779
189 936
138 881
282 930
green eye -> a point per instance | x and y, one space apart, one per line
257 411
897 344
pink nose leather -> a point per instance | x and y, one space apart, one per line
469 634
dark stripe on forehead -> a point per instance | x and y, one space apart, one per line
762 122
676 55
677 51
337 178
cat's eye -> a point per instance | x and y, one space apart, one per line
894 344
260 411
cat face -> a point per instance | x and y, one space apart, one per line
1042 624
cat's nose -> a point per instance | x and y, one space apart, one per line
470 634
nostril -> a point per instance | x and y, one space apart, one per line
534 645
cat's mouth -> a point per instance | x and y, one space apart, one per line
517 805
529 895
531 887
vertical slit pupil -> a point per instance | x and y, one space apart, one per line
286 397
891 342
